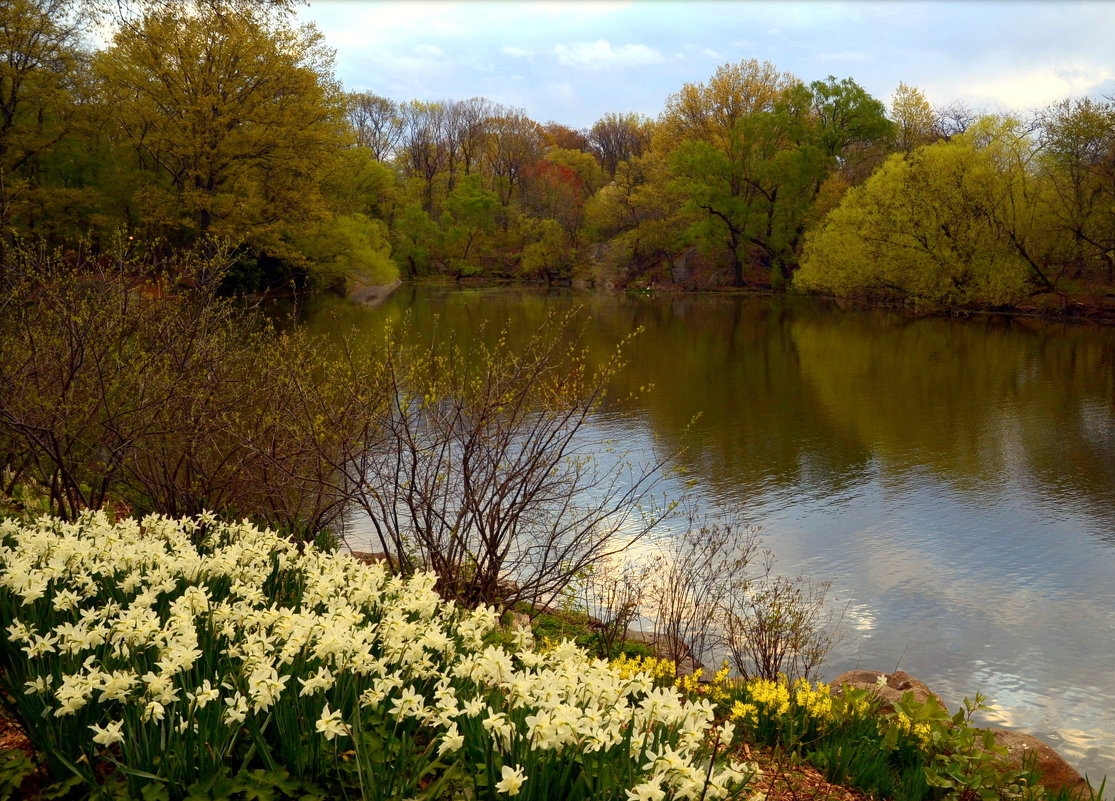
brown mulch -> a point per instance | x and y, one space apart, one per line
12 737
786 778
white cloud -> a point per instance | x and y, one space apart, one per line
428 50
601 55
1036 87
708 51
517 52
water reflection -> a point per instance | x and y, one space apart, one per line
954 479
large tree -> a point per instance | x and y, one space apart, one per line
945 225
41 82
232 111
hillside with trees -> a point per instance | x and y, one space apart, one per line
219 124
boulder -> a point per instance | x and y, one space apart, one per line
888 687
1054 773
368 558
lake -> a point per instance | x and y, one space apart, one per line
953 479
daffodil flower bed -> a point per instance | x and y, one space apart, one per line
181 652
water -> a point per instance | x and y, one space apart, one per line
953 479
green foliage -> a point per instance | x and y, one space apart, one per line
15 766
350 249
925 228
415 239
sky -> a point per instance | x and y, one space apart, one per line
572 62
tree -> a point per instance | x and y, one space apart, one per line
39 58
710 112
564 137
752 190
848 118
616 138
41 72
376 123
928 227
471 213
915 121
423 148
514 141
554 191
1078 159
232 111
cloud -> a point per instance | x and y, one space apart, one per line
517 52
600 55
428 50
1036 87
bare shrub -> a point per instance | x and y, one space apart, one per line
692 581
613 592
481 464
779 625
124 379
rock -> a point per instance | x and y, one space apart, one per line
372 294
368 558
896 685
1055 774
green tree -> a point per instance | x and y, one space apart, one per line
470 221
415 240
927 227
1078 159
755 187
232 111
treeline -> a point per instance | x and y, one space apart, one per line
206 120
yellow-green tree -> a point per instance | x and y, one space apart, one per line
1078 159
42 78
921 229
915 121
232 112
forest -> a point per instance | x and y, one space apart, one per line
219 125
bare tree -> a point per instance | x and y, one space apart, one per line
376 122
955 118
514 141
472 130
616 138
422 143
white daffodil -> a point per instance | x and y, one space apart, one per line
330 724
511 780
108 734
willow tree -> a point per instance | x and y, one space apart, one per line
941 226
231 110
